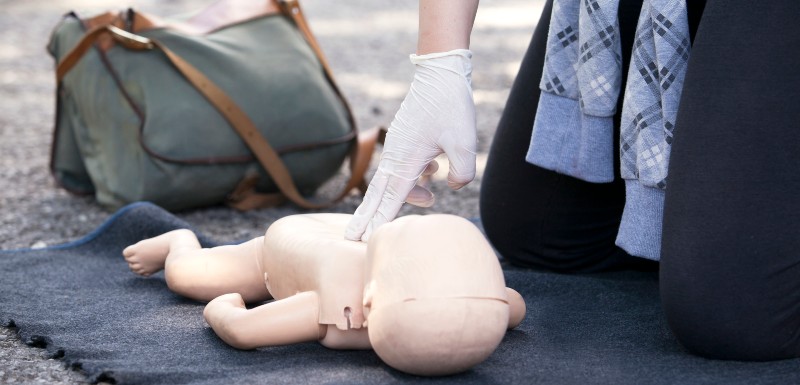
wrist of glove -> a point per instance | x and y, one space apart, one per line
436 117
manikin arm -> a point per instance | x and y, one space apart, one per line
287 321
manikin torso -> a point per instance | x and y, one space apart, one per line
310 255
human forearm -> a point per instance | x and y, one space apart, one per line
436 117
445 25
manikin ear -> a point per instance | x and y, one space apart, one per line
369 291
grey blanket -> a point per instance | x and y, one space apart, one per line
81 303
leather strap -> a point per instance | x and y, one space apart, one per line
244 196
291 8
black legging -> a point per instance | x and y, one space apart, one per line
537 217
730 259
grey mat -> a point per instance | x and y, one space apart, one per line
81 303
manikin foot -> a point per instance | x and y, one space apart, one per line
147 257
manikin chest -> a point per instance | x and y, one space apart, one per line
317 258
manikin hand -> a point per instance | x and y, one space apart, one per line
437 116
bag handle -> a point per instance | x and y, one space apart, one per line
244 196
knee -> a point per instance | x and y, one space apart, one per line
183 278
545 219
515 238
713 333
178 281
720 322
535 239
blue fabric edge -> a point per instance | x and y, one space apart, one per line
88 237
122 211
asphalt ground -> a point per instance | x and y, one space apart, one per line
367 43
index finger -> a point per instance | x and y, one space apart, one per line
363 214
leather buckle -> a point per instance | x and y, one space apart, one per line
129 40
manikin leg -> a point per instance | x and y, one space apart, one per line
197 273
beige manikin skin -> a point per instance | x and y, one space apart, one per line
430 288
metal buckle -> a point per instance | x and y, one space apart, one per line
129 40
290 5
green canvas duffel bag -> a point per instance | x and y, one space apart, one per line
235 103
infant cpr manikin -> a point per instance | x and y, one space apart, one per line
426 292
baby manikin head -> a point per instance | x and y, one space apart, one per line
435 295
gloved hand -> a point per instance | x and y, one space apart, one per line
437 116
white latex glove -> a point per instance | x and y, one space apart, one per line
437 116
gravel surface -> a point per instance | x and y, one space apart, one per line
367 43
